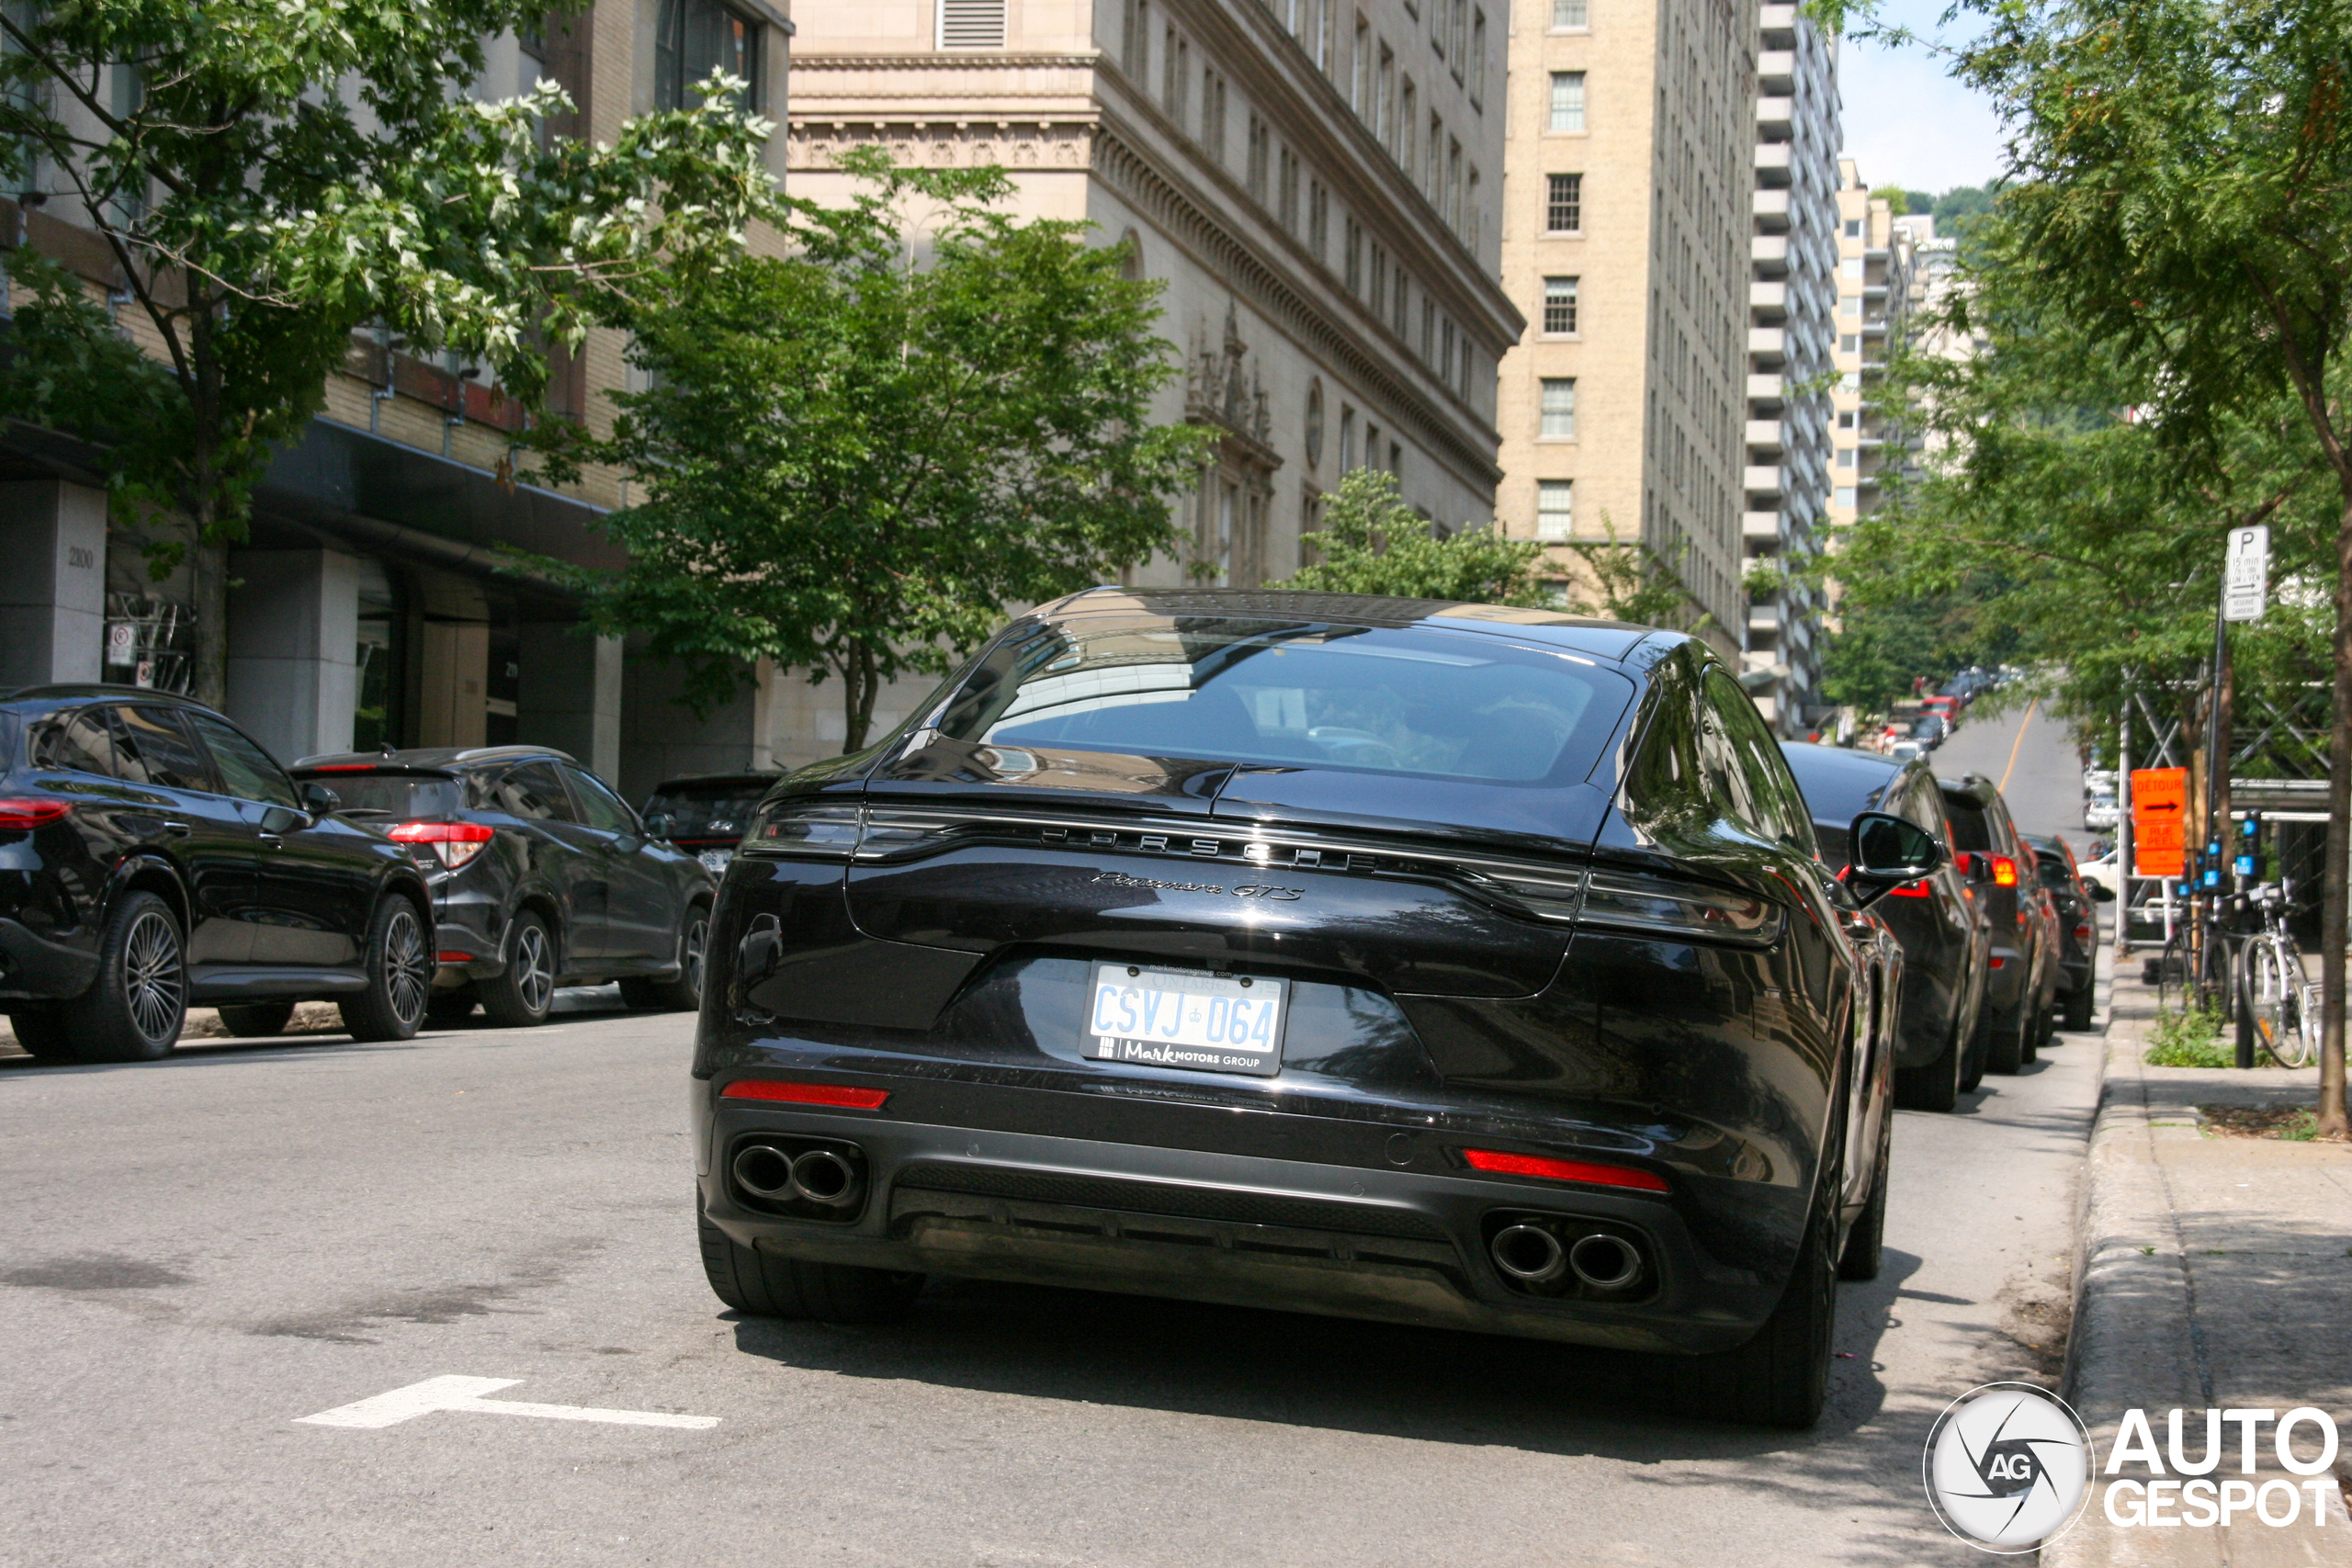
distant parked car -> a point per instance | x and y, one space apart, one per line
1906 751
154 856
2101 815
2078 904
1931 730
2104 875
2025 936
540 877
706 814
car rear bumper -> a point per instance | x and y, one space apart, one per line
35 968
1401 1237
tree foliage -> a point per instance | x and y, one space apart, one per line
855 456
269 176
1371 542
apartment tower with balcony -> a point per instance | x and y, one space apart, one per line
1792 300
1629 175
1875 293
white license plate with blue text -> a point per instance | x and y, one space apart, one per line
1170 1018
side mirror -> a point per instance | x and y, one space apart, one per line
1889 852
321 801
283 819
659 824
2102 893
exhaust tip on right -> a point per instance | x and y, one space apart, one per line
1605 1262
821 1176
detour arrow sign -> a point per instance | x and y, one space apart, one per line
2159 803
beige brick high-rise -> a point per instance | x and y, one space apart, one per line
1627 194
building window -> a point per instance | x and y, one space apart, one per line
1853 228
1318 221
1286 191
1351 257
1212 115
1571 14
1135 55
1851 305
1255 172
693 37
1429 329
1471 234
1478 57
971 23
1846 421
1396 307
1379 281
1360 79
1384 99
1559 304
1846 457
1844 496
1406 115
1564 204
1568 100
1555 509
1451 210
1348 438
1314 423
1559 409
1851 342
1171 78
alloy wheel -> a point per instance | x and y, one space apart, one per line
534 970
408 978
154 987
698 937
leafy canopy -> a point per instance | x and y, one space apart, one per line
855 456
1371 542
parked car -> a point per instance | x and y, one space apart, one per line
2025 945
2103 873
1931 730
1945 935
706 814
1905 751
1946 706
540 877
2101 813
1387 958
2077 906
157 857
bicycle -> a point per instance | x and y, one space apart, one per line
2281 1002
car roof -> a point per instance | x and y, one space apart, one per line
1974 789
436 757
1847 766
1613 640
92 691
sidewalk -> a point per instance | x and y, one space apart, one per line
2214 1271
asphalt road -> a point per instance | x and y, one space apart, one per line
201 1252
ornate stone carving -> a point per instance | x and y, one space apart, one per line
816 144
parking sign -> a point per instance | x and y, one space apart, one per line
2245 581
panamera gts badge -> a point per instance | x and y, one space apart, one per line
1247 890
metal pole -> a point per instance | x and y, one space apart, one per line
2124 831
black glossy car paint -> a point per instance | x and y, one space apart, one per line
1448 991
274 900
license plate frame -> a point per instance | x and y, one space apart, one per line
1141 997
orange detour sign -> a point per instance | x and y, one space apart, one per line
2159 802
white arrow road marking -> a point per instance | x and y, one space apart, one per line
466 1394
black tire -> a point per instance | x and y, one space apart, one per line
134 1010
2079 1006
447 1009
256 1021
399 961
1779 1378
521 996
685 993
2004 1040
765 1285
1935 1085
42 1033
1865 1249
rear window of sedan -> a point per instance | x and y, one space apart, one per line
394 797
706 811
1293 694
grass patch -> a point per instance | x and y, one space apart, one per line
2188 1038
2295 1123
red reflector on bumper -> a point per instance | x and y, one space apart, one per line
841 1094
1998 963
1563 1169
457 957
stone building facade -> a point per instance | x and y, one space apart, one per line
1792 298
1626 245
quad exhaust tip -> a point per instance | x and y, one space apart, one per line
821 1177
1533 1254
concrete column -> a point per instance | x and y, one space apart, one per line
570 695
294 648
53 591
454 692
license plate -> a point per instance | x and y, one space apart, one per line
1170 1018
715 860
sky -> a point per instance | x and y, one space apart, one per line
1907 123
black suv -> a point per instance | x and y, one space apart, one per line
1939 921
540 877
2078 927
2025 960
152 855
707 814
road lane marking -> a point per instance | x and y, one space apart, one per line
466 1394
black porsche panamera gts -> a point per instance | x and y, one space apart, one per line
1431 963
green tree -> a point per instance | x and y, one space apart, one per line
270 174
1371 542
1630 581
856 454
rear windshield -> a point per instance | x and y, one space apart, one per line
1971 825
392 797
706 811
1372 699
1838 787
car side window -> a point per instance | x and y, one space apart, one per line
534 792
600 805
155 748
1773 805
246 770
79 743
1665 787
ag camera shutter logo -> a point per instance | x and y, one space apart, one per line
2008 1467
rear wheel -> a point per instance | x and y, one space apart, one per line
685 993
2079 1003
765 1285
399 975
134 1010
1866 1243
2004 1037
522 995
1935 1085
1780 1378
41 1031
256 1021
